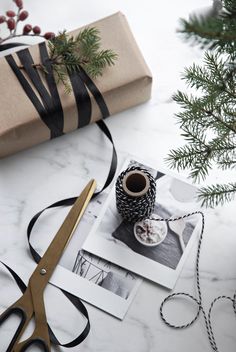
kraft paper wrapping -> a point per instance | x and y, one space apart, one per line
123 85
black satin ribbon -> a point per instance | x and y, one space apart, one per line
49 105
58 115
50 111
82 85
71 201
7 46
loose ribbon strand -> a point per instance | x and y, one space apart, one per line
50 111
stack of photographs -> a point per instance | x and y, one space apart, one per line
109 259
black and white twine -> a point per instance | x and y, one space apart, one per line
197 300
135 211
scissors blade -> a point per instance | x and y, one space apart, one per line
52 255
32 301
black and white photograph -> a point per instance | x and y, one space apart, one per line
97 281
151 248
104 274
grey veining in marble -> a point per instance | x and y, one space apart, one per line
35 178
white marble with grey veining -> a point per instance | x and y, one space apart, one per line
35 178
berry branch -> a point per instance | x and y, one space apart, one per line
12 20
67 54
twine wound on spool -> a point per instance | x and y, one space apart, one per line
135 194
135 199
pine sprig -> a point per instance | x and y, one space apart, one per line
217 194
68 54
213 32
100 61
208 118
192 157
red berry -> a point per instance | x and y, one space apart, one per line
2 19
19 3
10 13
37 30
11 24
23 15
49 35
27 28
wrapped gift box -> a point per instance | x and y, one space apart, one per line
123 85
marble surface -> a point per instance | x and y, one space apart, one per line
35 178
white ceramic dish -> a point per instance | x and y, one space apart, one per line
157 227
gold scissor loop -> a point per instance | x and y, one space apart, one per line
31 303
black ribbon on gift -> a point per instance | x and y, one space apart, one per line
49 107
7 46
50 110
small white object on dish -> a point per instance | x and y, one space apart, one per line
149 232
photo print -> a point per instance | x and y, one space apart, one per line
152 249
95 280
105 274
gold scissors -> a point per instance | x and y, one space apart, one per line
31 302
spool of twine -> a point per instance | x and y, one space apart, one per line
135 194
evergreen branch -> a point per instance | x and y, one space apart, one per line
68 54
62 77
208 119
207 33
226 163
184 157
201 106
218 71
188 102
230 8
214 195
88 42
197 77
194 136
228 111
200 170
221 146
100 61
71 53
217 118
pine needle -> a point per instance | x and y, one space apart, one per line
68 54
208 119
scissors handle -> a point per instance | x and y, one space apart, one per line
32 302
5 315
25 310
37 342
